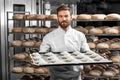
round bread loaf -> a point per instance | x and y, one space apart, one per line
42 30
102 46
84 17
20 56
115 58
109 73
95 73
16 43
18 16
103 27
17 69
40 71
81 29
28 70
30 17
29 30
92 45
17 30
40 17
112 16
89 27
28 43
95 31
98 16
111 31
52 17
115 45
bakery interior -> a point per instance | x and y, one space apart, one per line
24 23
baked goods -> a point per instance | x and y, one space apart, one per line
102 46
52 17
95 31
29 43
29 17
115 58
89 27
29 30
115 45
92 45
95 73
109 72
40 71
40 17
20 56
17 30
98 16
18 16
17 69
81 29
112 16
16 43
28 70
42 30
84 17
111 31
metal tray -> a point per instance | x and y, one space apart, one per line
67 58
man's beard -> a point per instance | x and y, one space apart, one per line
64 24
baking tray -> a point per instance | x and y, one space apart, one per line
67 58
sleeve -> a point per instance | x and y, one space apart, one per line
84 44
45 45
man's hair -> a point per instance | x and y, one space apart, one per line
64 7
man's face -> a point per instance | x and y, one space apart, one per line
64 18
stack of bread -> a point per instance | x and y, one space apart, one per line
27 42
104 70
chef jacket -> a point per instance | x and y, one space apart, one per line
60 40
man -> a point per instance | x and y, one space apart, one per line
64 38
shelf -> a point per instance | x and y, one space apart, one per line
106 48
102 34
24 33
24 46
72 20
115 77
85 34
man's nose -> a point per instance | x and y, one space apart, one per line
64 18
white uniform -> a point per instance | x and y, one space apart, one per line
59 41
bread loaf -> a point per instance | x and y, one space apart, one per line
16 43
17 30
92 45
29 17
84 17
17 69
18 16
29 30
112 16
115 45
95 31
111 31
98 16
102 46
52 17
28 70
40 17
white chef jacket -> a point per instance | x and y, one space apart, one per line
60 40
